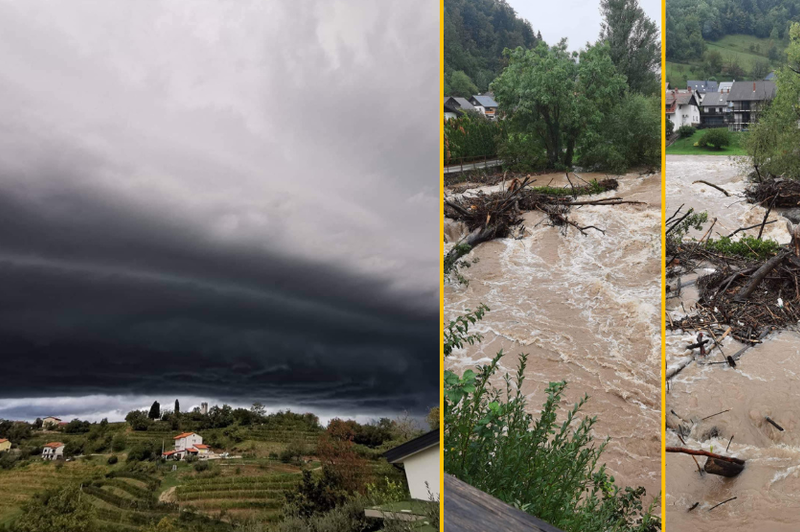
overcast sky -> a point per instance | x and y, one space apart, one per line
218 200
577 20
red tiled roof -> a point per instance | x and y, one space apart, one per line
191 450
3 440
200 446
54 445
179 436
169 453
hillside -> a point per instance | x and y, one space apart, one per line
731 57
126 486
726 39
475 34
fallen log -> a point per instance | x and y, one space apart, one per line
717 464
712 185
762 272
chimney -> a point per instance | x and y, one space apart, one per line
754 86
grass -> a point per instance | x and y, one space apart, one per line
687 146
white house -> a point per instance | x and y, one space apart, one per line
420 459
53 451
188 444
485 104
50 422
683 107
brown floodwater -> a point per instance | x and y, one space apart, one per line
764 383
586 309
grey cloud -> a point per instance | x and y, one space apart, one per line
233 201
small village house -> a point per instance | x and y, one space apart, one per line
683 108
188 444
420 460
714 111
485 104
747 100
450 111
53 451
5 445
50 422
702 87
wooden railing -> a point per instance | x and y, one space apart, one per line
467 509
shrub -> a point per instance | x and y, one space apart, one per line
670 127
546 468
202 466
685 132
748 247
113 459
118 443
716 138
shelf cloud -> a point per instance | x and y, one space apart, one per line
230 200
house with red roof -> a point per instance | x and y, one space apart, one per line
5 445
187 444
53 451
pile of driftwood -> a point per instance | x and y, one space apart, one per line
779 193
748 296
497 215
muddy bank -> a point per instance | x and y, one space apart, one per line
764 383
586 310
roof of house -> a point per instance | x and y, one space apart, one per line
703 86
463 103
714 99
401 452
725 86
484 100
169 453
201 446
53 417
683 97
54 445
3 440
191 450
752 91
183 435
450 107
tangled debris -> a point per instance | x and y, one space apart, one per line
496 215
776 192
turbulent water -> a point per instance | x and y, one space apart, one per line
586 310
764 383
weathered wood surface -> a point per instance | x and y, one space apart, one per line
467 509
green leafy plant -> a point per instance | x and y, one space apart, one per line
717 138
544 466
748 247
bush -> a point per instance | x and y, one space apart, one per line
685 132
670 127
748 247
545 467
202 466
113 459
716 138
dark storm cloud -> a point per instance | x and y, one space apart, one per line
235 201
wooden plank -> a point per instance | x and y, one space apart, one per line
467 509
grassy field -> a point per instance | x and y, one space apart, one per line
735 47
687 147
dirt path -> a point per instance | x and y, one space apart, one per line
168 495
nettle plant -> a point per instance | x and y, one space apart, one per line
546 468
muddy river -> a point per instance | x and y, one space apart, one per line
764 383
586 309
